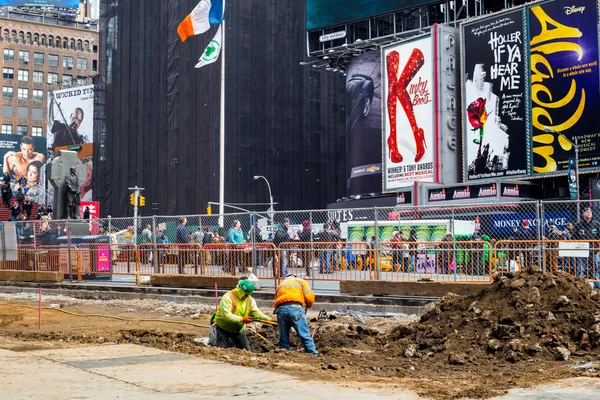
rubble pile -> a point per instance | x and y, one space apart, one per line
520 316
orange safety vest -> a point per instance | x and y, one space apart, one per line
294 290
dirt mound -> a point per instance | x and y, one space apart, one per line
521 316
326 338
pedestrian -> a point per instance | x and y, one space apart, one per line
20 197
86 213
305 238
237 308
182 239
292 297
588 230
6 194
27 206
147 241
6 178
282 236
235 237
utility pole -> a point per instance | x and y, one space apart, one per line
135 200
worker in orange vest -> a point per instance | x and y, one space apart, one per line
292 296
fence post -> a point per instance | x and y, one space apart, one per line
377 264
253 240
35 262
540 239
154 250
69 265
3 245
453 254
312 251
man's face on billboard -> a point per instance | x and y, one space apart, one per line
27 150
76 119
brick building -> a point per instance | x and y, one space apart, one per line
37 58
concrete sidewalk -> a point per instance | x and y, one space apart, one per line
140 373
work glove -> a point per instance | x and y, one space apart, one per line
246 320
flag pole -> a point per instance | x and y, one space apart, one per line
222 127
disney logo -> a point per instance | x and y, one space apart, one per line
572 9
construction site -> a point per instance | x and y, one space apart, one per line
521 331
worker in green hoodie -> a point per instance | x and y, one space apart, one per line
236 309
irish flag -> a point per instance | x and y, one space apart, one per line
205 14
212 51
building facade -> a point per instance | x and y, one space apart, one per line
157 117
36 59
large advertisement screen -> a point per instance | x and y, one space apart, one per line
24 159
323 13
41 3
563 42
494 104
408 146
363 124
71 127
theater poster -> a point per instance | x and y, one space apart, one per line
408 113
25 157
563 45
494 97
71 127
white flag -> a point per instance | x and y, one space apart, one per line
212 51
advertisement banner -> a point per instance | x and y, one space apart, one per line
323 13
94 208
510 223
409 140
516 191
565 98
71 127
41 3
462 193
24 157
572 176
363 124
494 125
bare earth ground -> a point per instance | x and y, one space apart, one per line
352 353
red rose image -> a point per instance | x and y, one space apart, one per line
477 113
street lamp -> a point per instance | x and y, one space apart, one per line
271 210
576 147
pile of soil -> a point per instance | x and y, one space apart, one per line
520 316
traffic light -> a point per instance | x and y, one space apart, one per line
132 199
142 200
209 210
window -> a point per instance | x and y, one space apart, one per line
86 46
52 78
57 42
23 75
82 63
9 55
7 92
43 41
23 94
23 56
95 49
28 38
67 62
81 80
37 114
67 80
36 38
22 129
65 44
36 131
8 73
22 112
53 60
38 58
21 37
6 129
38 77
7 111
72 45
38 95
6 36
79 45
94 65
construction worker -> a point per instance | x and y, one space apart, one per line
236 309
292 296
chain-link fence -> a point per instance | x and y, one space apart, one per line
448 244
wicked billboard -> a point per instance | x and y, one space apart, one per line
563 42
71 127
494 125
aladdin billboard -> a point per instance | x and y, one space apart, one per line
563 71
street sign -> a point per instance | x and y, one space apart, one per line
332 36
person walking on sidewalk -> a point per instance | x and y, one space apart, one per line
236 309
292 296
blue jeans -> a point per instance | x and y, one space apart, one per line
292 315
325 262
